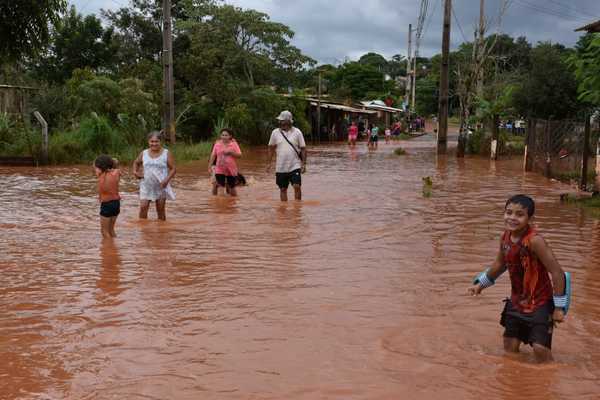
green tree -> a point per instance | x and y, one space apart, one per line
548 89
25 26
76 42
358 80
586 64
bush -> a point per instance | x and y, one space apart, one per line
399 151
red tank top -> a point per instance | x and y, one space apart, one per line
531 286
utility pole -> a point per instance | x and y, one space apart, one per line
480 55
414 81
442 139
319 110
168 122
408 86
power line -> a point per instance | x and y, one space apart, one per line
459 25
579 10
430 18
548 11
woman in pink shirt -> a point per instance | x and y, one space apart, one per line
225 152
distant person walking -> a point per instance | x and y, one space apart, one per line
373 137
352 134
287 142
158 168
225 152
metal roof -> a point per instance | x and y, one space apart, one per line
342 108
375 106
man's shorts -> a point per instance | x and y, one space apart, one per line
535 327
373 139
283 179
231 181
110 209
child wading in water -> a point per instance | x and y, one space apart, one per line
108 190
225 152
536 301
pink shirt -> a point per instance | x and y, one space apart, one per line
353 131
226 165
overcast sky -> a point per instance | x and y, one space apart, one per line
333 30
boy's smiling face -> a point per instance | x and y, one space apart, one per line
516 218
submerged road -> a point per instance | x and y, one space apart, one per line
357 292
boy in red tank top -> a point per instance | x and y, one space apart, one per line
538 299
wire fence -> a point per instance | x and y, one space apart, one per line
561 149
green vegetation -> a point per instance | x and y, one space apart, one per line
427 186
590 204
399 151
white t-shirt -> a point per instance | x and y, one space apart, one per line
287 158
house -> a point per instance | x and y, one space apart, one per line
336 117
386 115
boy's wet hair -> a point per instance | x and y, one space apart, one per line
104 162
524 201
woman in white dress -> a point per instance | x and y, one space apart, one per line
155 177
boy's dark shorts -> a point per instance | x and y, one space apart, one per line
373 139
529 328
222 179
110 209
283 179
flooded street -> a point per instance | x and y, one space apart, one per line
357 292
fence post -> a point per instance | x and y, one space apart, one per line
529 145
585 154
548 160
598 165
44 125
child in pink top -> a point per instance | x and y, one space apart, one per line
225 152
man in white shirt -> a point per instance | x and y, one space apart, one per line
287 141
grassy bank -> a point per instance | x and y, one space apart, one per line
590 204
83 144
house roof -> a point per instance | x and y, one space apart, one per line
342 107
379 105
593 27
3 86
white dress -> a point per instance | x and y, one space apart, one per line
156 170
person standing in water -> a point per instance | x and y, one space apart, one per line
373 137
352 134
158 171
288 143
109 175
540 290
225 152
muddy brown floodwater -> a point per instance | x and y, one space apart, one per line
357 292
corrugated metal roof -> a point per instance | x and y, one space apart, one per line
342 108
2 86
376 106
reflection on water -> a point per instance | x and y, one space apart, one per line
357 292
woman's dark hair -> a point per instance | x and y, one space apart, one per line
226 130
157 134
104 162
524 201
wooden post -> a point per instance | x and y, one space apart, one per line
442 139
167 58
529 145
547 160
495 137
598 165
319 110
585 154
44 125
